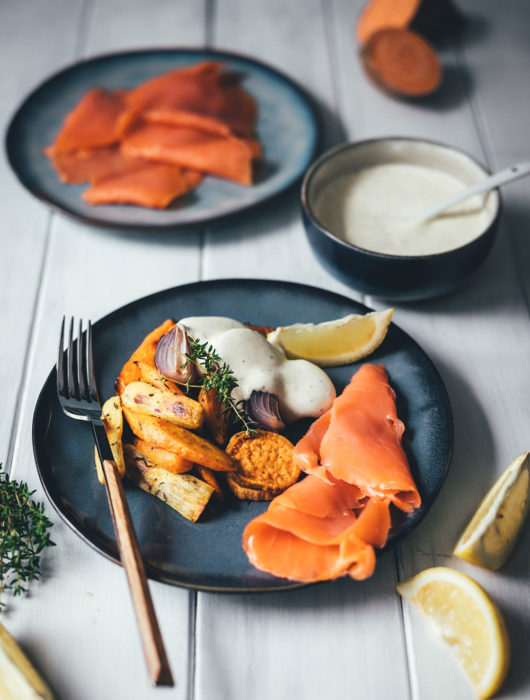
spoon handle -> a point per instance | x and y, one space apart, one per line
514 172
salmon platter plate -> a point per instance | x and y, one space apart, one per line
208 553
162 139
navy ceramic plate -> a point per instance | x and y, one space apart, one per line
208 554
287 128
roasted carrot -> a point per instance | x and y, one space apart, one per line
144 353
401 62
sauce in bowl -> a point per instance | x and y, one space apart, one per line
369 207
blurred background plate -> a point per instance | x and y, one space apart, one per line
287 128
208 554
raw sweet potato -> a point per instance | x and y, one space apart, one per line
161 433
146 399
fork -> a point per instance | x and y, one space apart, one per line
78 397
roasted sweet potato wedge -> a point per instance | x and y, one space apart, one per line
210 478
183 492
217 418
146 399
144 353
162 458
171 437
151 375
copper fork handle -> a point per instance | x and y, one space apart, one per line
131 559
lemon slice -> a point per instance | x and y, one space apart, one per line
337 342
492 532
466 619
18 679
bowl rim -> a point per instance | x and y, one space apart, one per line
332 152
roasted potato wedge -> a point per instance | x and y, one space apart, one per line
112 417
162 458
151 375
146 399
161 433
144 353
217 418
183 492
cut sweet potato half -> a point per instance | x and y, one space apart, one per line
430 18
162 458
401 62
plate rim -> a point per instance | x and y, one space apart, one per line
284 584
36 192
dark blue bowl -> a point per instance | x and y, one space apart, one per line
395 277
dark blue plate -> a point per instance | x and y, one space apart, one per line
208 554
287 128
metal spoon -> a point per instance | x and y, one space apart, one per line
514 172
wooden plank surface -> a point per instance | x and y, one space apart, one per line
333 640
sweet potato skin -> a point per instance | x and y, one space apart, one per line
216 416
173 438
145 399
145 352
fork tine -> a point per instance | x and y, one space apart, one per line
60 362
81 373
92 386
72 389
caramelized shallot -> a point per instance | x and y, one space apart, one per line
262 408
171 356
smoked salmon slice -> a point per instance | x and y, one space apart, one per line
201 97
118 179
227 157
93 123
328 524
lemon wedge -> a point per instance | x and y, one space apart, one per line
18 679
492 532
466 619
336 342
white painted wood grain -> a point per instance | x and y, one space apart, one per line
24 220
89 272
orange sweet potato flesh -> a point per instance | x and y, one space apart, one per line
162 458
170 437
401 62
227 157
216 415
145 352
93 123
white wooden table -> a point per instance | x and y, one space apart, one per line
337 640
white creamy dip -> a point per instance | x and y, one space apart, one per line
302 388
368 208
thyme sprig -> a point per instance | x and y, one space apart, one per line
219 377
23 536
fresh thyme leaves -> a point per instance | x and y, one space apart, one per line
23 536
218 377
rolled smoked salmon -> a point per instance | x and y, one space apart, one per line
328 524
